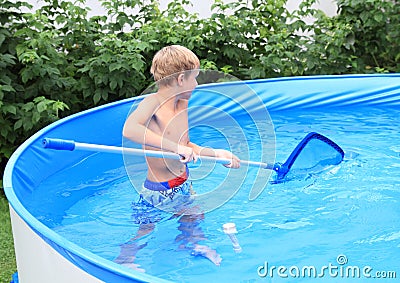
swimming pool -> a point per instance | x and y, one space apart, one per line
317 219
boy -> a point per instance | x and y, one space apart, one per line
160 122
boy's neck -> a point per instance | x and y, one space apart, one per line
168 95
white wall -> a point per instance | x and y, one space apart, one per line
202 7
328 6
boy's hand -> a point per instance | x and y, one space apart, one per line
222 153
187 154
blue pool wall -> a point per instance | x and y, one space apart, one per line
31 164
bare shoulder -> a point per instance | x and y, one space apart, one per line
145 110
148 104
149 101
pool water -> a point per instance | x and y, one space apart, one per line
350 211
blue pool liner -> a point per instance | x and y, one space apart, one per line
31 164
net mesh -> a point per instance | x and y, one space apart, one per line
314 154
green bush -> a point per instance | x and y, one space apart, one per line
375 33
56 61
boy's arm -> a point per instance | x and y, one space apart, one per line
218 153
136 129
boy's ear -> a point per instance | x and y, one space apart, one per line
180 79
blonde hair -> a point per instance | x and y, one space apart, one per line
172 60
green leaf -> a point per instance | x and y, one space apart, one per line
28 106
26 75
5 79
97 96
378 17
114 66
18 124
7 88
9 109
35 118
42 106
4 132
113 84
8 59
2 38
104 94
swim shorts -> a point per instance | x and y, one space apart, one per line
156 198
